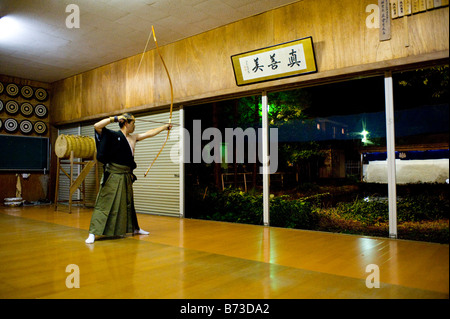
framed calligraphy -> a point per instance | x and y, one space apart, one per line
275 62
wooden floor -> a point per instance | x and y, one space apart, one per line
193 259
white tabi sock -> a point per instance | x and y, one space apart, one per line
141 232
90 239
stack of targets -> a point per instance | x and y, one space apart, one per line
15 109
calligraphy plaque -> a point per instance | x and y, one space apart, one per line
408 7
275 62
422 5
385 20
415 6
401 8
395 9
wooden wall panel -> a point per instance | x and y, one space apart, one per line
428 31
200 66
67 105
33 188
140 83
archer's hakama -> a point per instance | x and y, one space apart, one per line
114 213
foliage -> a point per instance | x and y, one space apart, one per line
365 212
424 217
434 80
409 209
302 152
237 206
284 107
423 207
431 231
233 205
288 105
292 213
304 158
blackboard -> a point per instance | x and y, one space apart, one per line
22 153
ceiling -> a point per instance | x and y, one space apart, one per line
36 44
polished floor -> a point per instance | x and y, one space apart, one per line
194 259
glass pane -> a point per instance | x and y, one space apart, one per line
222 162
422 153
328 135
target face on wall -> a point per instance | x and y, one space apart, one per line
40 127
26 109
26 127
1 87
41 94
40 110
1 106
26 92
1 124
11 125
12 89
12 107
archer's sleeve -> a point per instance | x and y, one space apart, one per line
102 143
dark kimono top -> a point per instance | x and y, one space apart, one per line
113 147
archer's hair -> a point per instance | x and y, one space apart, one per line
129 118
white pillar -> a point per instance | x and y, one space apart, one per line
265 158
182 159
390 148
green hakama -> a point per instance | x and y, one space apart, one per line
114 213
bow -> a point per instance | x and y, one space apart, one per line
171 102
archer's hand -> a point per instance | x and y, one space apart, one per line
119 118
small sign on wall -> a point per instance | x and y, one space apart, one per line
385 20
280 61
401 8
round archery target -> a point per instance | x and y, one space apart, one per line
26 109
12 107
1 124
1 106
12 89
40 127
1 87
26 92
11 125
40 94
26 127
40 110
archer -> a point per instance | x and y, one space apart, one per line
114 213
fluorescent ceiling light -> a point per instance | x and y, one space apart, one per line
9 27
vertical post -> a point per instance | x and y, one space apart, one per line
182 160
265 159
217 146
57 178
390 148
71 181
83 191
57 182
256 119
